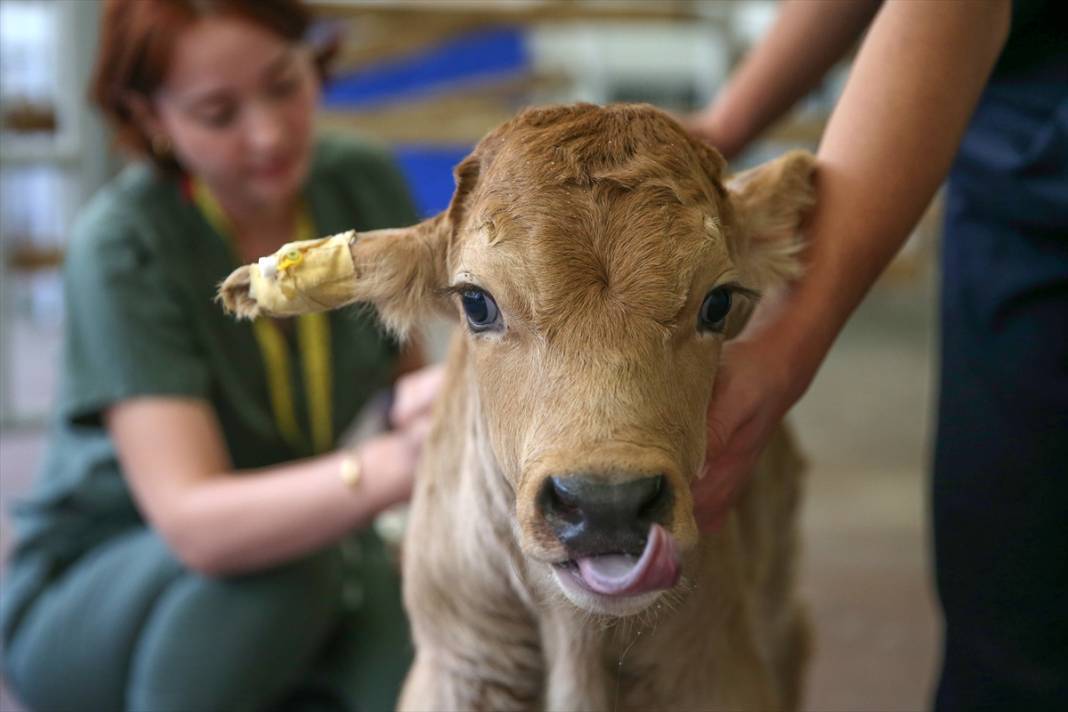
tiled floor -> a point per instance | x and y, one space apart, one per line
865 575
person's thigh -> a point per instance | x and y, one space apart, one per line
1000 487
72 648
236 643
128 627
367 659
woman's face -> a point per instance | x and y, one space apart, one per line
238 107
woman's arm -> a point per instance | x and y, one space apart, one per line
222 522
888 146
805 41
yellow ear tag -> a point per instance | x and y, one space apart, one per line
290 259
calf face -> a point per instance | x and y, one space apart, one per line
598 262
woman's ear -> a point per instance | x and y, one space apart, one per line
144 115
769 203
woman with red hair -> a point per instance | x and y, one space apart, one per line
195 539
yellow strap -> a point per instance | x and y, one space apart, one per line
313 335
313 340
276 359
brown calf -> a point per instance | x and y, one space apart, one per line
598 261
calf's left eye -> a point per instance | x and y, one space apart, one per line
714 310
480 309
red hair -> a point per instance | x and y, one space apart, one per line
137 40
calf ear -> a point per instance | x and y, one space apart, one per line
398 271
401 272
770 202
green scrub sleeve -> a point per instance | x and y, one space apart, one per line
127 330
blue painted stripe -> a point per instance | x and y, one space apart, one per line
467 58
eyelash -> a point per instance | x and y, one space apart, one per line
219 120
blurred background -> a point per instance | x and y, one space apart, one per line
430 78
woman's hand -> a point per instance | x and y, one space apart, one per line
388 463
761 375
747 403
415 395
389 460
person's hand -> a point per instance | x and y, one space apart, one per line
707 128
389 460
754 389
388 463
699 125
414 396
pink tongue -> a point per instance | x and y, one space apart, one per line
622 575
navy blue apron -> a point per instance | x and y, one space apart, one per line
1000 480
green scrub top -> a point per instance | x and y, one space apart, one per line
140 279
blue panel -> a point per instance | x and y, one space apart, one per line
428 170
459 60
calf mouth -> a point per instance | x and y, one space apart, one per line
618 575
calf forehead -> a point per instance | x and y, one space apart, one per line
587 207
581 144
603 251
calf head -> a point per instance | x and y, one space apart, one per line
598 261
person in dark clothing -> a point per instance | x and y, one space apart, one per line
978 93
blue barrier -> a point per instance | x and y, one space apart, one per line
428 170
465 59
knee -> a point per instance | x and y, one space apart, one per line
299 598
297 588
242 638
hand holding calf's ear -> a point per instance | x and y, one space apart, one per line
752 393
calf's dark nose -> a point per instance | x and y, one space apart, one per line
592 515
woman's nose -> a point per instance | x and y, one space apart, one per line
265 129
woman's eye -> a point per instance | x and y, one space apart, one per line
218 119
284 87
481 310
714 310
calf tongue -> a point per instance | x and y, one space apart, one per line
622 575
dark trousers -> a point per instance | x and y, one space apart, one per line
1000 481
126 626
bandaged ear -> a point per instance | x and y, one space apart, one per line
306 276
399 271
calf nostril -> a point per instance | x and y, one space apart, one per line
559 501
593 515
590 501
560 492
657 500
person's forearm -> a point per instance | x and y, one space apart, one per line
808 37
888 146
246 521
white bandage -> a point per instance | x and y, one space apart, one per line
306 276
